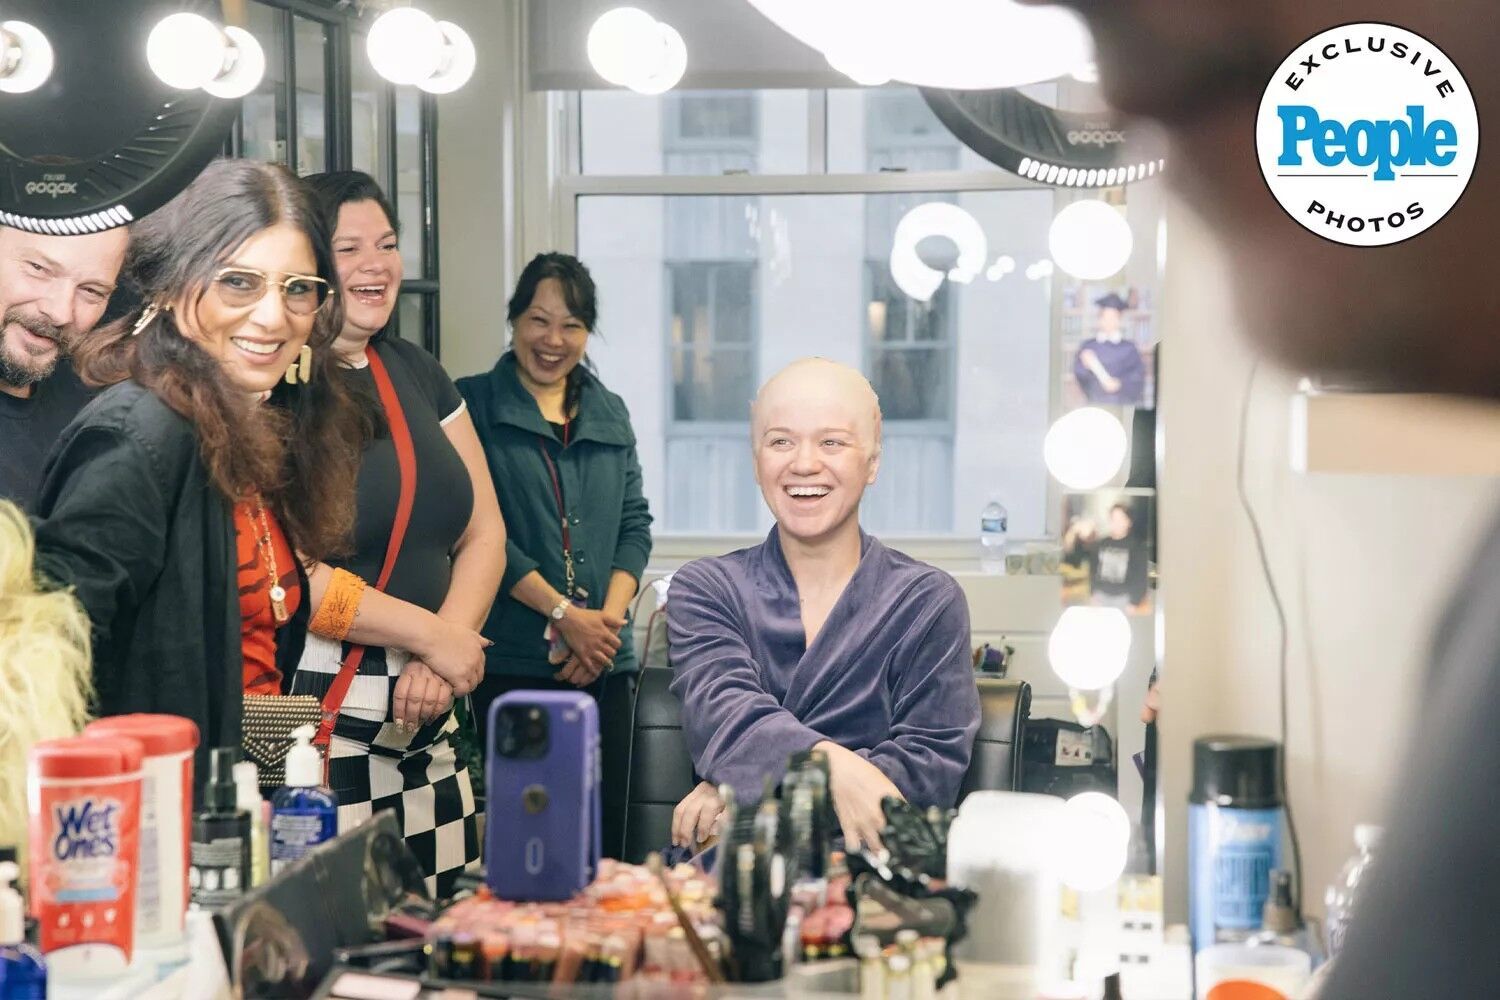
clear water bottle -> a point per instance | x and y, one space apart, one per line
1339 899
994 521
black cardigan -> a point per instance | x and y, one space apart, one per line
128 518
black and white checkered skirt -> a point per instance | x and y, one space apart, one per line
373 765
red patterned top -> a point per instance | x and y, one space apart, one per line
257 621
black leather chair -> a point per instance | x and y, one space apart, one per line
1004 707
661 770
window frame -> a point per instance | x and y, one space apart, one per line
344 32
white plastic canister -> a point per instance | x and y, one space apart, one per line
1003 845
161 896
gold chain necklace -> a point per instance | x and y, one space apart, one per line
268 553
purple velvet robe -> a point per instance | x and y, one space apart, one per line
889 675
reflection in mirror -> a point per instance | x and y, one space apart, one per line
975 335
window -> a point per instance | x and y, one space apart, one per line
711 331
311 43
296 117
693 133
687 340
732 232
909 356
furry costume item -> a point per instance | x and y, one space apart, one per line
44 669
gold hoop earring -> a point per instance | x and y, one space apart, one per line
301 369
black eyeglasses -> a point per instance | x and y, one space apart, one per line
304 294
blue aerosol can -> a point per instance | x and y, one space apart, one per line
1235 824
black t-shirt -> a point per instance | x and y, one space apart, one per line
1119 568
444 499
29 427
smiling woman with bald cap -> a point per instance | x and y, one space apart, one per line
820 636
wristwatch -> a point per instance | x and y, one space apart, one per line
556 614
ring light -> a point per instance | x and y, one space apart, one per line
1062 148
102 142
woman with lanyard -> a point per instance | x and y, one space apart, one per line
562 454
394 637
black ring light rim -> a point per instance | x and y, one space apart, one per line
990 122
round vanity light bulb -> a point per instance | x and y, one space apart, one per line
405 45
1090 240
962 44
1085 448
1093 842
186 50
670 66
1088 646
249 65
621 44
457 64
33 62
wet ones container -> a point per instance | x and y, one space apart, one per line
84 796
1234 836
161 895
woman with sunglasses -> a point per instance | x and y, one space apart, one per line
225 442
429 547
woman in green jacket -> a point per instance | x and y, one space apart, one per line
578 531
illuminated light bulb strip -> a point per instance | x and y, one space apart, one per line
1061 176
94 222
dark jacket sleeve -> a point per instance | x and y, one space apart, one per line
934 710
517 565
736 731
102 526
633 550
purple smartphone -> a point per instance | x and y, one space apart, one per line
541 838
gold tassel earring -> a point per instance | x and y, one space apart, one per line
147 315
301 369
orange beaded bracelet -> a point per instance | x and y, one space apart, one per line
340 606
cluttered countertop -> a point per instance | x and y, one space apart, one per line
134 895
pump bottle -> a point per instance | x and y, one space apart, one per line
305 813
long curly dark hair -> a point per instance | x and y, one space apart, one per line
300 450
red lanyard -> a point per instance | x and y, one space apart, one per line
406 464
562 514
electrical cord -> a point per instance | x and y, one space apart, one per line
1265 568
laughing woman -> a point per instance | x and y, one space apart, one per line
173 503
429 551
562 452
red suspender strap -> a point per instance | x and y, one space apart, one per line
406 460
